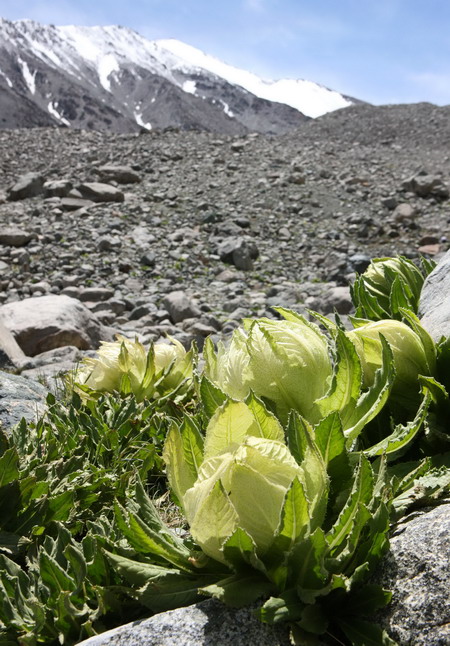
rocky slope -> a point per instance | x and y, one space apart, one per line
239 224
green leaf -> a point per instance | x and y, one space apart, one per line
239 590
364 633
302 444
232 423
138 573
149 541
295 517
362 491
298 429
240 551
183 455
9 466
286 607
12 544
313 620
268 425
331 442
60 506
149 515
424 490
346 384
54 576
305 566
211 396
398 442
368 599
357 414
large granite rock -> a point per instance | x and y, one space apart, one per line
417 570
208 623
434 305
20 397
11 353
46 322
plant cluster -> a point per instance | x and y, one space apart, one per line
288 457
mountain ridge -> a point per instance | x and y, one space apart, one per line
113 78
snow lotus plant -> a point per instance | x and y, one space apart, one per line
125 366
243 480
388 285
413 351
287 362
287 516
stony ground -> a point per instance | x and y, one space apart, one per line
238 224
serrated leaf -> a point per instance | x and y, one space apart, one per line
150 516
12 544
362 491
346 384
424 489
229 426
368 599
295 517
239 551
54 576
183 455
78 564
268 425
305 565
283 608
174 591
331 442
357 414
138 573
211 396
9 466
364 633
148 541
302 444
239 590
398 442
60 506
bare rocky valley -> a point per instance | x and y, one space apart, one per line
238 224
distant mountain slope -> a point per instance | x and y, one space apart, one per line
113 78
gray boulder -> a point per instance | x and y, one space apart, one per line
417 570
98 192
434 305
208 623
10 352
47 322
28 185
180 306
425 185
57 188
15 237
119 174
20 397
239 252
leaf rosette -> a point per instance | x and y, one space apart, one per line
125 366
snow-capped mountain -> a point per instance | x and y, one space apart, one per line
113 78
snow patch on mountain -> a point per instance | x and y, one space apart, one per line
7 79
52 108
307 97
28 76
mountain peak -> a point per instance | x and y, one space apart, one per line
112 77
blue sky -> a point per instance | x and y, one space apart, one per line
381 51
